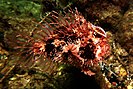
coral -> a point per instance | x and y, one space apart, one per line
65 38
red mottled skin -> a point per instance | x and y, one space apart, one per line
68 39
